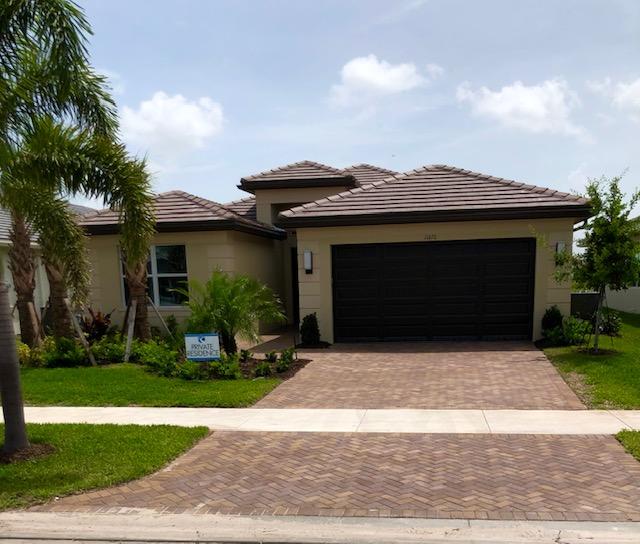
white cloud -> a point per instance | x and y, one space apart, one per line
543 108
434 71
624 96
171 125
366 78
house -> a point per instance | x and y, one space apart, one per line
627 300
437 252
41 292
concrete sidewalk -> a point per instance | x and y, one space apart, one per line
141 526
347 420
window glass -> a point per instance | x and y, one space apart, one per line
166 293
171 260
166 271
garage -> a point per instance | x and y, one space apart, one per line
481 289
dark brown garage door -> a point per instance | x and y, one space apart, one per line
434 290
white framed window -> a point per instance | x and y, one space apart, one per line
166 271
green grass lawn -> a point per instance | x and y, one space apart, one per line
631 442
131 385
89 457
607 381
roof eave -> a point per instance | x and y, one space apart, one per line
577 212
195 226
251 186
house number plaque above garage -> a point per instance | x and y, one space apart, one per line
430 237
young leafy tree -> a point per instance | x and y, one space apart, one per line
611 246
231 306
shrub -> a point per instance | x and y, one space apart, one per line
572 332
227 368
263 370
309 330
96 326
62 352
28 356
575 330
109 349
555 336
156 356
245 355
286 360
552 319
283 365
271 357
192 370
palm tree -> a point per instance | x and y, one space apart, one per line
232 306
57 138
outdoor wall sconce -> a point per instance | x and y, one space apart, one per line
308 261
560 247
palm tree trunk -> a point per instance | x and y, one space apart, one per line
137 284
15 432
229 343
23 271
60 319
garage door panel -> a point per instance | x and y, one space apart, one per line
431 290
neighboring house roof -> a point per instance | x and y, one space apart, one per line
5 220
246 207
177 211
367 173
81 210
437 193
298 174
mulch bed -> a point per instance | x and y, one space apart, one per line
32 452
248 368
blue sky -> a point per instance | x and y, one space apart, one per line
542 92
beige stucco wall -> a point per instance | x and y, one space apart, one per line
266 198
315 288
205 251
263 259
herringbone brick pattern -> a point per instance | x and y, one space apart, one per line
429 375
417 475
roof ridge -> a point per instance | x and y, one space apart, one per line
338 196
244 199
371 166
278 169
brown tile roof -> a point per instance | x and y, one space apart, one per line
433 193
178 211
367 173
298 174
246 207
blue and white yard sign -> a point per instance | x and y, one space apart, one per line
202 346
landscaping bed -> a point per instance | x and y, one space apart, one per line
131 385
610 379
59 373
82 457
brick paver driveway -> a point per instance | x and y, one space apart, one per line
417 475
429 375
